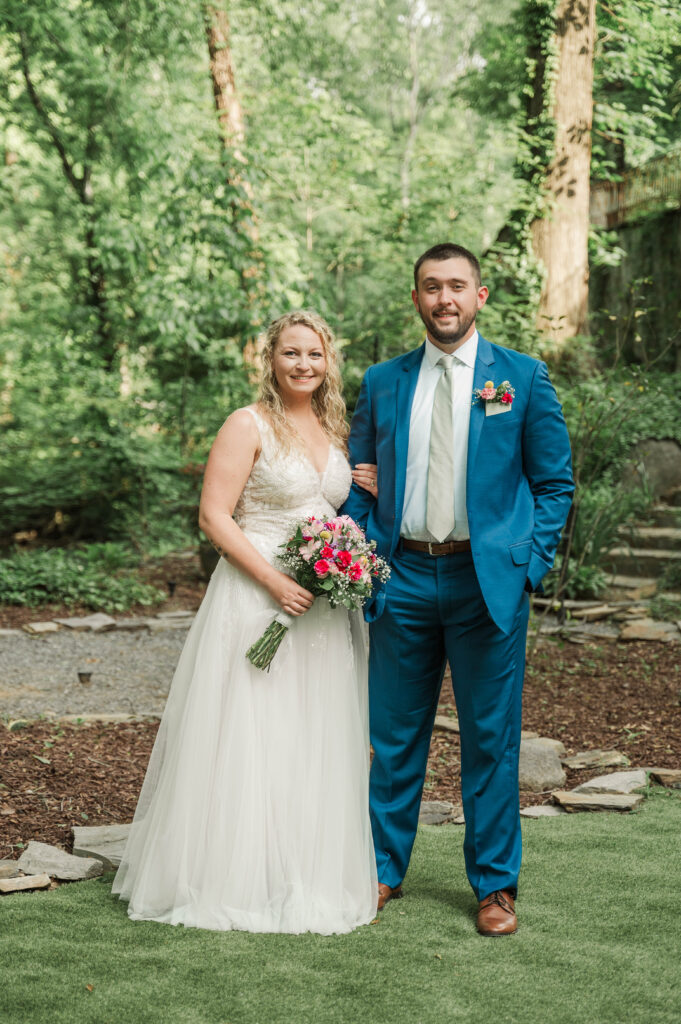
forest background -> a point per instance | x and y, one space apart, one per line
177 173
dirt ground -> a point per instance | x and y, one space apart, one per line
601 695
606 696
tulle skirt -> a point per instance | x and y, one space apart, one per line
254 810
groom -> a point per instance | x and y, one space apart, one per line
472 497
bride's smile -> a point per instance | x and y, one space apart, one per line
299 362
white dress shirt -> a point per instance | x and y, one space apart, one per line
416 489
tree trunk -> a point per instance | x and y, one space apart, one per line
230 117
227 101
560 239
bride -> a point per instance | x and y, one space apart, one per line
254 810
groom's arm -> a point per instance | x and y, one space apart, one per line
548 467
362 448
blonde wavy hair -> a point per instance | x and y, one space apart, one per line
327 401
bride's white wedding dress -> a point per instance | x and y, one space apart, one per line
254 810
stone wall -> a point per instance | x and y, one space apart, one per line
649 277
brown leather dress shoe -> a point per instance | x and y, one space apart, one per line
385 894
496 914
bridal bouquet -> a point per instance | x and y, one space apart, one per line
331 558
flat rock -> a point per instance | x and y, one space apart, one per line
9 869
617 782
669 777
176 615
24 883
543 811
596 759
158 625
649 629
105 843
132 625
601 611
440 812
97 623
36 628
39 858
598 801
540 769
446 723
9 632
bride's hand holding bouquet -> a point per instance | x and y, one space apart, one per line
330 558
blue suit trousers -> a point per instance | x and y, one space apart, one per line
434 613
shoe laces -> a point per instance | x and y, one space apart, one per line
500 900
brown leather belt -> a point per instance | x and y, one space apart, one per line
449 547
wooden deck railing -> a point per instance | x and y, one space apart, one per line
655 186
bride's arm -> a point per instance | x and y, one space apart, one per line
230 462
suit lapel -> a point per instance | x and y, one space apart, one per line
482 373
406 386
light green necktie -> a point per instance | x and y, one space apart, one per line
440 519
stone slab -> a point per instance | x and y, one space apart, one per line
97 623
543 811
597 801
41 858
131 625
159 625
539 767
669 777
24 883
9 869
596 759
649 629
176 615
601 611
37 628
9 632
105 843
616 782
446 723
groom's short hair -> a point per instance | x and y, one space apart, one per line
448 251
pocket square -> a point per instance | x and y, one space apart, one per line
494 408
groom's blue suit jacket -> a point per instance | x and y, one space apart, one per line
518 482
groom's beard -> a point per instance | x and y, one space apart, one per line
450 335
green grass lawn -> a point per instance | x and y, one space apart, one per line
599 943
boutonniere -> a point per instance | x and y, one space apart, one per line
495 398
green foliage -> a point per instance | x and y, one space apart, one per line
99 576
580 581
666 608
606 415
671 577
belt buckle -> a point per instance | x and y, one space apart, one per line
430 549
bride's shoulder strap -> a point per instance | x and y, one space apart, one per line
263 425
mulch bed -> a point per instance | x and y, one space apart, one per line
606 695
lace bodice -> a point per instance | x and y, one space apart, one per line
284 487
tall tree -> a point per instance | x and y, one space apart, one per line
560 235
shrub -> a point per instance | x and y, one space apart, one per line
99 576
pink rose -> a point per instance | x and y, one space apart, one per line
507 398
355 571
344 558
321 567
